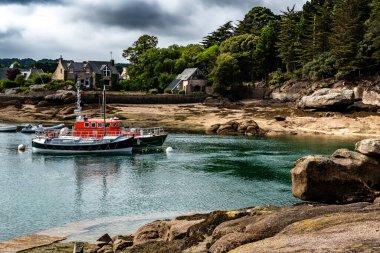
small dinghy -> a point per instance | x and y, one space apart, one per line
30 129
7 129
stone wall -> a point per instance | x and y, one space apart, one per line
145 99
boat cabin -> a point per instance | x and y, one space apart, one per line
94 127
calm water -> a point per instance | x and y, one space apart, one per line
203 173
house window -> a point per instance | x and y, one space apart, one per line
71 70
87 70
106 71
61 71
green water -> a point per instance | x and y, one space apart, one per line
203 173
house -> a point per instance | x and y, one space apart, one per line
91 74
26 72
191 80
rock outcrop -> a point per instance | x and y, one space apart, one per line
248 128
61 96
303 227
344 177
371 98
323 99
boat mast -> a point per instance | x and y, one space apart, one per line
104 110
78 110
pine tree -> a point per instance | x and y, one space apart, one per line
369 51
348 30
287 39
221 34
255 20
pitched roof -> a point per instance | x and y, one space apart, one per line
187 73
97 66
174 84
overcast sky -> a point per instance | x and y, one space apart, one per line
90 29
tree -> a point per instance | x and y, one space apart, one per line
348 30
140 46
255 20
12 73
205 60
287 39
221 34
226 74
265 55
369 49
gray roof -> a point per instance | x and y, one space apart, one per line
95 66
3 73
174 84
186 74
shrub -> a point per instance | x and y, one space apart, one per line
153 91
7 84
20 79
181 92
55 85
276 79
168 91
41 78
24 90
322 67
69 82
28 83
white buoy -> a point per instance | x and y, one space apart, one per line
169 149
21 147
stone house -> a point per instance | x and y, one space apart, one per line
91 74
191 80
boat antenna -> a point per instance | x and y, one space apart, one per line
78 110
104 109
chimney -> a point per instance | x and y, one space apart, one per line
112 62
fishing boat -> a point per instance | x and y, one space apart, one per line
143 138
30 129
65 141
8 129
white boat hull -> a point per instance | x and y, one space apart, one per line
68 152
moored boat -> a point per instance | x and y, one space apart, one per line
30 129
65 141
8 129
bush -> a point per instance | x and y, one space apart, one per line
20 79
276 79
153 91
69 82
181 92
322 67
168 91
41 78
7 84
28 83
55 85
24 90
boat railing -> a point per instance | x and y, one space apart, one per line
145 131
70 133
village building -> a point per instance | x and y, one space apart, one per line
90 74
26 72
190 80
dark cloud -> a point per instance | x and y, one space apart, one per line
135 15
241 4
9 34
4 2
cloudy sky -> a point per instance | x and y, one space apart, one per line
90 29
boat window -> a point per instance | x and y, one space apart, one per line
114 124
99 124
107 124
93 124
86 124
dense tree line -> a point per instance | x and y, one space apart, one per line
327 38
47 65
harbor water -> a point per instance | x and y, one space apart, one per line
96 194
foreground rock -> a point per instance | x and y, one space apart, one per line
304 227
248 128
323 99
344 177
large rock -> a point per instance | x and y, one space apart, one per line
248 128
165 230
333 99
370 147
344 177
371 98
61 96
285 96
